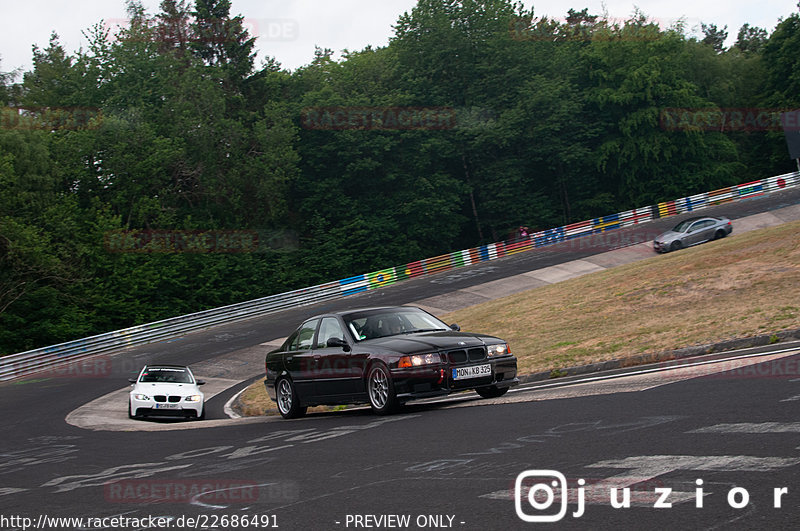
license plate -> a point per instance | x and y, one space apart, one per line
475 371
168 406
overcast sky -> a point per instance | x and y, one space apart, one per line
289 29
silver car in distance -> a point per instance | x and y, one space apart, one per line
692 231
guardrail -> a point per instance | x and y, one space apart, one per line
24 363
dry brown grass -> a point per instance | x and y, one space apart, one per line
741 286
255 401
744 285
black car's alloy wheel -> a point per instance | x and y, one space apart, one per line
380 389
491 392
676 245
288 404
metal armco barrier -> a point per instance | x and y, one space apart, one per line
29 362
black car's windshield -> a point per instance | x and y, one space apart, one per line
389 322
165 375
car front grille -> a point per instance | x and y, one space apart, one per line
164 398
466 355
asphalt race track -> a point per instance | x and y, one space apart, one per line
700 446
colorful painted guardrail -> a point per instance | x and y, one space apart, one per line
492 251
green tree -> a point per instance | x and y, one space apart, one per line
751 39
714 36
782 64
221 40
781 55
634 78
6 87
53 82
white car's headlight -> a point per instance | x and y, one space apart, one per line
194 398
419 360
498 350
140 396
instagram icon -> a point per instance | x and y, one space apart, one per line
537 491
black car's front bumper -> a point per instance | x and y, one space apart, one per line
438 380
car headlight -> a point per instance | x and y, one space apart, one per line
139 396
498 350
418 360
194 398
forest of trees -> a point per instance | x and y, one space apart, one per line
169 127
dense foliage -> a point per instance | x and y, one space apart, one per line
168 127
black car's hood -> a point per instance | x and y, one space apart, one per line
428 341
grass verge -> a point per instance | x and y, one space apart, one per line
740 286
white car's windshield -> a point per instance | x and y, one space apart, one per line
381 323
165 375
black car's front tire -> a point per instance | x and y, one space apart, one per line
676 246
288 403
491 392
380 389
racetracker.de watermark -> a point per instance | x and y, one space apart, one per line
267 29
729 120
786 368
50 118
198 491
602 28
181 241
378 118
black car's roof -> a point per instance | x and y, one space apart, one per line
366 310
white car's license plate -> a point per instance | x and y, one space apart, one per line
168 406
474 371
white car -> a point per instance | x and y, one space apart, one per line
166 391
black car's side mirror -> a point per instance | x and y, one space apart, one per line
455 327
200 382
338 342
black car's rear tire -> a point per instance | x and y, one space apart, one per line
720 234
288 403
380 390
676 246
491 392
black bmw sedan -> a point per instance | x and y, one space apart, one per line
384 357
